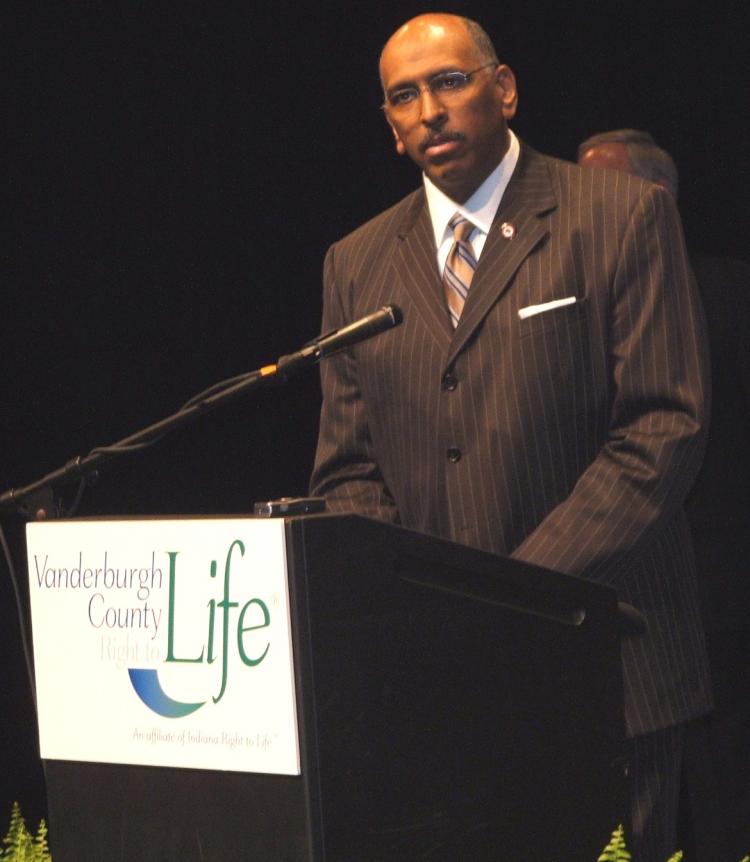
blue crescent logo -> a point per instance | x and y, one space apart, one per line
148 688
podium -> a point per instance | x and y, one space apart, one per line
450 705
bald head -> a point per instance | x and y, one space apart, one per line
609 154
430 26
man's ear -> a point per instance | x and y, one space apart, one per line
400 148
506 81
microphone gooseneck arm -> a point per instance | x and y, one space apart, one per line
322 347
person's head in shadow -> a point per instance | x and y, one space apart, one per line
633 151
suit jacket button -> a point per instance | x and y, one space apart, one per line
454 454
449 382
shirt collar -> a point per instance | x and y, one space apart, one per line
481 207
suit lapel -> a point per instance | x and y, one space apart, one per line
528 196
416 266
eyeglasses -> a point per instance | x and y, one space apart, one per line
443 86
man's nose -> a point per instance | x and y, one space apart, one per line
431 109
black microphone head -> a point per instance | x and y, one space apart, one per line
395 313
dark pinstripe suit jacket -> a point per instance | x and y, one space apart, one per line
574 434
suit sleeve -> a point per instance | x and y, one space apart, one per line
346 472
659 377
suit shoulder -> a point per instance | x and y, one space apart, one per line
371 237
601 192
614 185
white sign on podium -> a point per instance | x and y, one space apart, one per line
164 643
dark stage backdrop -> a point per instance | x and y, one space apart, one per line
176 173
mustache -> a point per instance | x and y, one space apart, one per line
439 138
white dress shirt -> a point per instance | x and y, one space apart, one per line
480 208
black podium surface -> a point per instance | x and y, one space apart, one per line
452 705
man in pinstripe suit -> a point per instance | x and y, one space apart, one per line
563 419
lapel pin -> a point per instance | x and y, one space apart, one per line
507 230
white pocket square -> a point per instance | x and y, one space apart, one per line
531 310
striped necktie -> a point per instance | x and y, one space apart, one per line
459 267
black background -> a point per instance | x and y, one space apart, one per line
175 175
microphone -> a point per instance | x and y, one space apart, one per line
383 319
319 348
323 346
